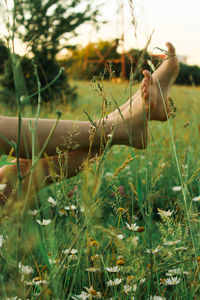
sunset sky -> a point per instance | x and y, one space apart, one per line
177 21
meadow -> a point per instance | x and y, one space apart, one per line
127 227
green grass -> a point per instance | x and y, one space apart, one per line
104 204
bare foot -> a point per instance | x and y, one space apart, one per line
160 84
150 103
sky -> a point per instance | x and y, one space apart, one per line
177 21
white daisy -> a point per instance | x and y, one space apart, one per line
156 298
164 213
135 240
130 288
2 186
72 257
173 272
52 201
176 188
112 269
153 251
26 270
2 240
172 281
32 212
70 207
120 236
133 227
92 293
71 251
114 282
82 296
44 222
93 270
197 198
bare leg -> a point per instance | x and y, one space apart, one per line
41 175
147 104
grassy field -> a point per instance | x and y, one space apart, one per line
127 227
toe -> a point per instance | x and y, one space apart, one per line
147 77
171 48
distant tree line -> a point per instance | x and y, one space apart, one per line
135 60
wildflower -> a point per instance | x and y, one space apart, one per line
181 249
70 251
135 240
120 262
62 212
120 210
92 292
2 186
178 271
130 280
142 280
93 270
52 201
114 282
112 269
156 298
94 243
26 270
130 288
82 296
153 251
109 136
164 213
109 174
73 257
2 240
44 222
32 212
133 227
171 243
196 198
176 188
39 281
120 236
70 207
172 281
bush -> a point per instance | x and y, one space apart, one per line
47 69
188 75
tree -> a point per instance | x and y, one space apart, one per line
46 26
